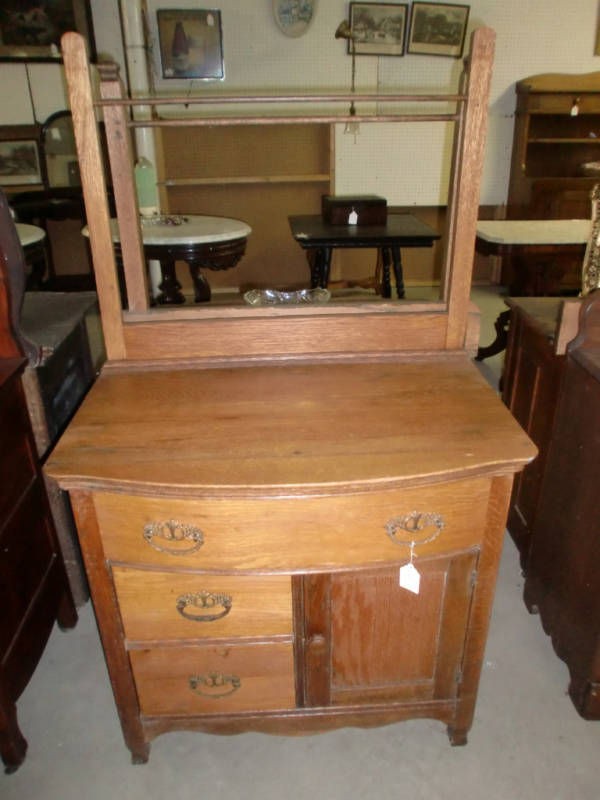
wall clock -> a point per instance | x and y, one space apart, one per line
294 16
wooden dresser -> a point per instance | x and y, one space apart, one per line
563 573
34 590
255 488
539 330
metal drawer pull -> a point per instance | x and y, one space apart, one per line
203 601
160 535
214 684
420 528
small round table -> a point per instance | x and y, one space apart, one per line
203 242
33 243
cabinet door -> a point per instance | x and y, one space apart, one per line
368 640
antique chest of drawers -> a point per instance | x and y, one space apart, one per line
33 585
244 531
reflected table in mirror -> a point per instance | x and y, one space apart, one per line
33 242
203 242
319 239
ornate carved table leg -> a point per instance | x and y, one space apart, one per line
398 274
170 288
499 344
386 286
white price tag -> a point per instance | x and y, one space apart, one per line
352 217
410 578
574 110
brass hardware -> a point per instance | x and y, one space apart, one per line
203 600
421 527
204 684
171 531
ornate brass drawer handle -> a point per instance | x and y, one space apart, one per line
214 684
204 601
161 535
415 528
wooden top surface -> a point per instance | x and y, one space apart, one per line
560 82
402 229
298 429
543 312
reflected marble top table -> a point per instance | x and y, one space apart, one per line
203 242
33 242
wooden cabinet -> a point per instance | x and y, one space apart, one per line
557 132
34 592
252 581
563 576
530 384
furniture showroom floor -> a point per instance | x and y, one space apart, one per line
527 741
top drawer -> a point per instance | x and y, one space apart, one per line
288 534
563 103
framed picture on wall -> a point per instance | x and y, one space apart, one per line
19 156
438 29
191 44
31 31
378 29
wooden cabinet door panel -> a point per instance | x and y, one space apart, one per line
379 642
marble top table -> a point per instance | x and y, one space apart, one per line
29 234
33 242
203 242
535 252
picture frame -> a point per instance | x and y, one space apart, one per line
20 163
32 32
438 29
379 29
294 17
190 44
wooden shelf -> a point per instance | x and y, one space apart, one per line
246 179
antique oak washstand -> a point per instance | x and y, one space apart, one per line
249 482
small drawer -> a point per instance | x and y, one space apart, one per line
214 679
288 534
165 606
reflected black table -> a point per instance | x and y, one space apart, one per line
320 239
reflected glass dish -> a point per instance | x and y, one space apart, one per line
272 297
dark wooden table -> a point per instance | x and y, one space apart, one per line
320 239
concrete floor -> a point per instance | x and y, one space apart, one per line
527 741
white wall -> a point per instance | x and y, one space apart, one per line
533 36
